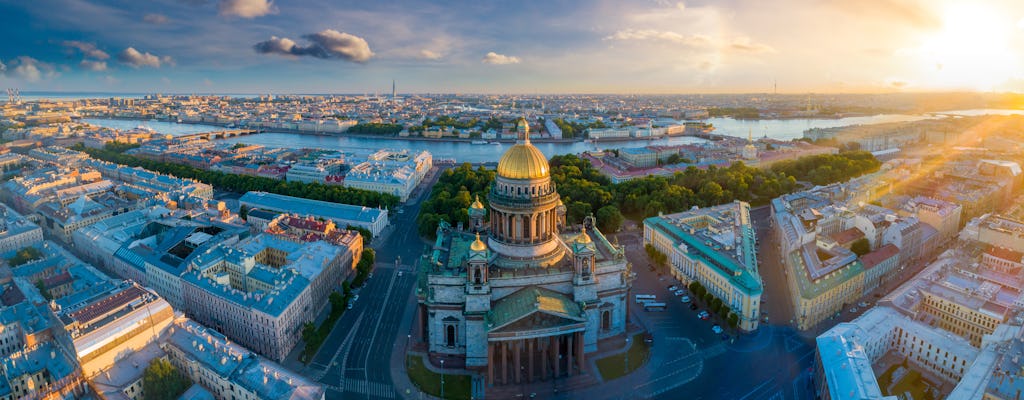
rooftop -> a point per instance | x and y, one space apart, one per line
345 212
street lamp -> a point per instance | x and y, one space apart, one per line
625 369
442 378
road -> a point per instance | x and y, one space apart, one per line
689 361
354 361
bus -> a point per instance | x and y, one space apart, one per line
645 298
652 306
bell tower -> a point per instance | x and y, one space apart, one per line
584 279
478 302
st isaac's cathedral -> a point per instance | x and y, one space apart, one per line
518 294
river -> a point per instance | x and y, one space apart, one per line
784 129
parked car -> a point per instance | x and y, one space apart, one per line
354 298
716 329
672 288
349 306
863 304
685 299
704 315
679 292
854 310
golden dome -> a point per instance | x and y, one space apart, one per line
477 204
523 161
478 245
583 237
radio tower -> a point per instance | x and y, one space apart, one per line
393 92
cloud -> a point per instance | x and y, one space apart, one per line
137 59
500 59
668 36
155 19
87 49
246 8
93 65
895 83
745 45
326 44
29 69
429 55
911 12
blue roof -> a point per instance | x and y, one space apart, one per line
335 211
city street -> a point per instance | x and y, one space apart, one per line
354 362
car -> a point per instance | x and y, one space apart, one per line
854 310
716 329
349 306
685 299
648 338
672 288
679 292
693 306
765 319
370 275
399 273
354 298
704 315
863 304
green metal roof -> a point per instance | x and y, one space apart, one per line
744 277
811 289
528 300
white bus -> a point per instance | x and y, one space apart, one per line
652 306
645 298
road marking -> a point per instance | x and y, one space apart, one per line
344 346
376 326
757 388
376 389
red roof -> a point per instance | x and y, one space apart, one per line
876 257
108 304
1004 253
847 236
57 280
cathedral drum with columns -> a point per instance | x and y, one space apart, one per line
519 296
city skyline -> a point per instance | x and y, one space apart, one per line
259 46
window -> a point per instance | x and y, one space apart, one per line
449 335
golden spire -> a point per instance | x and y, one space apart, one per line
476 203
478 245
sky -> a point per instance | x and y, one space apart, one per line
526 46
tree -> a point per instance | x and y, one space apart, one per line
24 256
365 233
716 304
609 219
243 212
42 290
694 286
734 320
162 381
860 247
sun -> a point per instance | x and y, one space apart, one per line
972 51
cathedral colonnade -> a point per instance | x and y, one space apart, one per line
526 360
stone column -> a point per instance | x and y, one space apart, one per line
569 351
545 357
490 363
517 349
554 355
504 363
529 353
580 360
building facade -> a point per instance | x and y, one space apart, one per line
713 246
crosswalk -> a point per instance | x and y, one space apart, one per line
375 389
